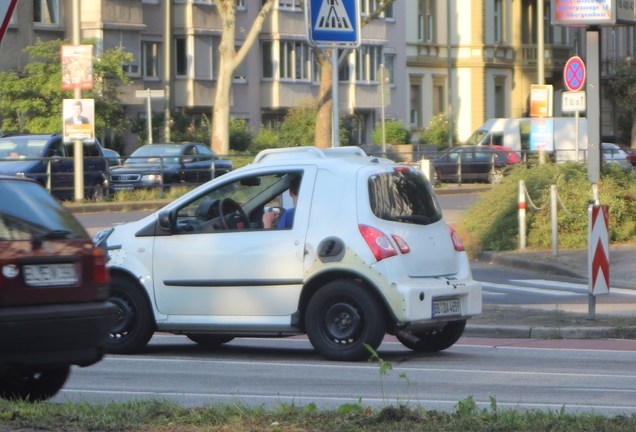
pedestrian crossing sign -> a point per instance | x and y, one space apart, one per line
333 23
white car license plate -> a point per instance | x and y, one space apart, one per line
49 274
447 307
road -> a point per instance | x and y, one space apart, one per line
528 374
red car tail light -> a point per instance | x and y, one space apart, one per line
401 244
101 275
378 242
457 242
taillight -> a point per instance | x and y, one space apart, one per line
378 242
401 244
101 275
457 243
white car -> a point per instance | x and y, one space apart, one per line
368 253
614 154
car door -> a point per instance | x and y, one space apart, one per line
235 276
188 161
205 163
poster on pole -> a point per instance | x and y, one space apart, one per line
77 67
79 119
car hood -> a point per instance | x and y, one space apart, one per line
12 167
134 168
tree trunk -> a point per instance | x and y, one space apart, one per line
221 111
323 120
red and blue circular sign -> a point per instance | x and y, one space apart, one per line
574 74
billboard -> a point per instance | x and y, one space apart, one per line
79 119
77 67
593 12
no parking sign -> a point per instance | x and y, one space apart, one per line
574 74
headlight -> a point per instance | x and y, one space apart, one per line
151 178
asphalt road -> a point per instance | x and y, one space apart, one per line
529 375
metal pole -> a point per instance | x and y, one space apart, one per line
593 105
149 111
522 215
449 114
78 150
553 212
576 133
167 67
540 44
382 102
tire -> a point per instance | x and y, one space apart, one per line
135 321
436 340
31 384
341 318
209 339
99 191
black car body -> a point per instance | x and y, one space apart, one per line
34 155
474 163
54 287
168 164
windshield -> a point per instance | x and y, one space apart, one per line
27 211
155 154
22 148
476 137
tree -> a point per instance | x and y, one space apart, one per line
622 88
395 131
436 133
229 60
324 117
32 101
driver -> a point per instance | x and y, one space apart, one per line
287 219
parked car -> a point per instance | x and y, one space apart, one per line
54 287
168 164
478 163
33 155
614 154
113 158
367 253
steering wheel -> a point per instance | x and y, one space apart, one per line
232 207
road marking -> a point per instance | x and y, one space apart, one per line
506 288
582 288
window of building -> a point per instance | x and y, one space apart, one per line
368 60
439 91
129 41
426 21
499 21
500 96
150 59
344 71
359 132
415 105
289 4
46 11
240 73
389 64
181 56
295 62
369 6
267 48
205 57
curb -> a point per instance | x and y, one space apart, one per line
526 332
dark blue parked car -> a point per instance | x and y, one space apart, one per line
33 155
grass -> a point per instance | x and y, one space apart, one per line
158 416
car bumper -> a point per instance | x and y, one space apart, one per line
55 334
428 301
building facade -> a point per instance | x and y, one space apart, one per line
492 46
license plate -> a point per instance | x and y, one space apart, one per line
49 274
447 307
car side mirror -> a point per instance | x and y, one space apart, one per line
166 220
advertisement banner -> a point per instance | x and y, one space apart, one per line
79 119
542 135
77 67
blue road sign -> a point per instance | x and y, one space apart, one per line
333 23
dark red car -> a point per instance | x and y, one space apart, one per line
54 287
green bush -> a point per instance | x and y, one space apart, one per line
241 135
299 126
436 133
268 137
395 131
492 224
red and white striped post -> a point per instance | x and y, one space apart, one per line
522 215
597 255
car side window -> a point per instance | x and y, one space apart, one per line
56 149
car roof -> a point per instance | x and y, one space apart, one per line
319 157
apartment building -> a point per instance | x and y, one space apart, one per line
492 46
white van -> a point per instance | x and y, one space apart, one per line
554 134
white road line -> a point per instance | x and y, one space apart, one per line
487 286
582 288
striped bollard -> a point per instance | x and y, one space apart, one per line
522 215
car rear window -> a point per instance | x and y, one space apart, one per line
27 212
403 195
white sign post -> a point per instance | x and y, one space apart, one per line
574 101
149 94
